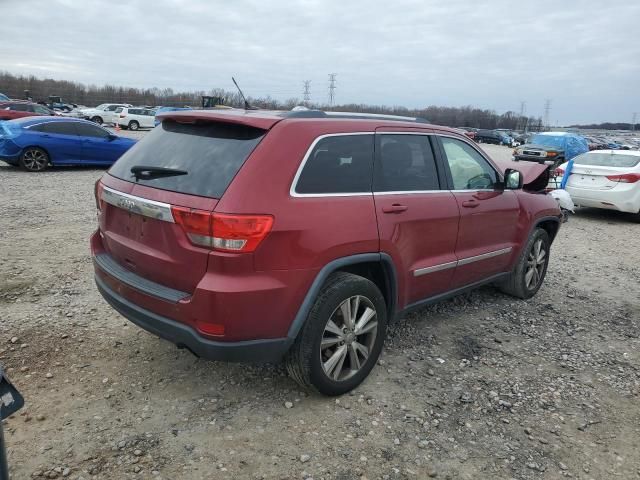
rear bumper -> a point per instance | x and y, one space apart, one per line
269 350
625 198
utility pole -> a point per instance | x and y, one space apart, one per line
332 88
307 92
633 121
547 113
522 122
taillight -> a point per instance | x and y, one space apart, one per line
625 178
97 193
223 232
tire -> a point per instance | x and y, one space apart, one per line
34 159
521 283
133 125
310 364
97 120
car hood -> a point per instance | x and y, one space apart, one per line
542 147
535 175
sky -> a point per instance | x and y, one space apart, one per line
583 55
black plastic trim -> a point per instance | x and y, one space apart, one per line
268 350
452 293
106 263
333 266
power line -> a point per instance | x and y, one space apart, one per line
332 88
307 91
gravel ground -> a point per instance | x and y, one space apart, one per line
481 386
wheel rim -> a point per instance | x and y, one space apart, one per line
34 160
133 126
348 338
536 263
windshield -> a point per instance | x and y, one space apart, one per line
607 159
548 141
210 153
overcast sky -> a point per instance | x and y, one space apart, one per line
582 54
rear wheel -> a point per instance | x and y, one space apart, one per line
342 337
528 275
133 125
97 120
34 159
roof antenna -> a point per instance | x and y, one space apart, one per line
247 106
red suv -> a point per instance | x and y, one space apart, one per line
256 236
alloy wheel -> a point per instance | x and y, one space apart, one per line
348 338
536 263
34 160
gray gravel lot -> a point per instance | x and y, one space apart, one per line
481 386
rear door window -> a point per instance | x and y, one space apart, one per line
210 153
405 163
86 130
340 164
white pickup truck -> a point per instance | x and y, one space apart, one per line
105 113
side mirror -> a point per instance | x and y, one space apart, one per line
513 179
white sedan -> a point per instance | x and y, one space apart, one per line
607 179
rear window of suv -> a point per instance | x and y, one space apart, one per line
210 153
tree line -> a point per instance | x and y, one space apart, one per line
39 89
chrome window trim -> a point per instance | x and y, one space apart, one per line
139 205
294 183
464 261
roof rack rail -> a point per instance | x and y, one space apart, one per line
351 115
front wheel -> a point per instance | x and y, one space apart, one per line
527 277
34 159
342 337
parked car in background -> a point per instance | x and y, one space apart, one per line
135 118
468 132
608 179
488 136
18 109
556 147
160 110
105 113
36 143
195 246
4 98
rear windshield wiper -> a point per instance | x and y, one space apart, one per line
149 173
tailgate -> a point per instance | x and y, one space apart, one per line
140 234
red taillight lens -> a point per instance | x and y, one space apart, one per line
240 233
223 232
97 193
625 178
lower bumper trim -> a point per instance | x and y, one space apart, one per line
268 350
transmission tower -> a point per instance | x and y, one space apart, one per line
547 113
633 121
522 121
307 92
332 88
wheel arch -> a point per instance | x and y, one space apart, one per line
377 267
549 224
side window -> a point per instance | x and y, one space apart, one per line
340 164
405 163
469 170
59 128
41 110
112 108
85 130
20 107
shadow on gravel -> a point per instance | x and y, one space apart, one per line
610 216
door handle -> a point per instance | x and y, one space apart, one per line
395 208
470 203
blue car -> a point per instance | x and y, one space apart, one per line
168 109
35 143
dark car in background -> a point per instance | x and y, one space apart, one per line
493 136
18 109
35 143
556 147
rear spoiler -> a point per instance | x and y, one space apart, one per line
250 118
